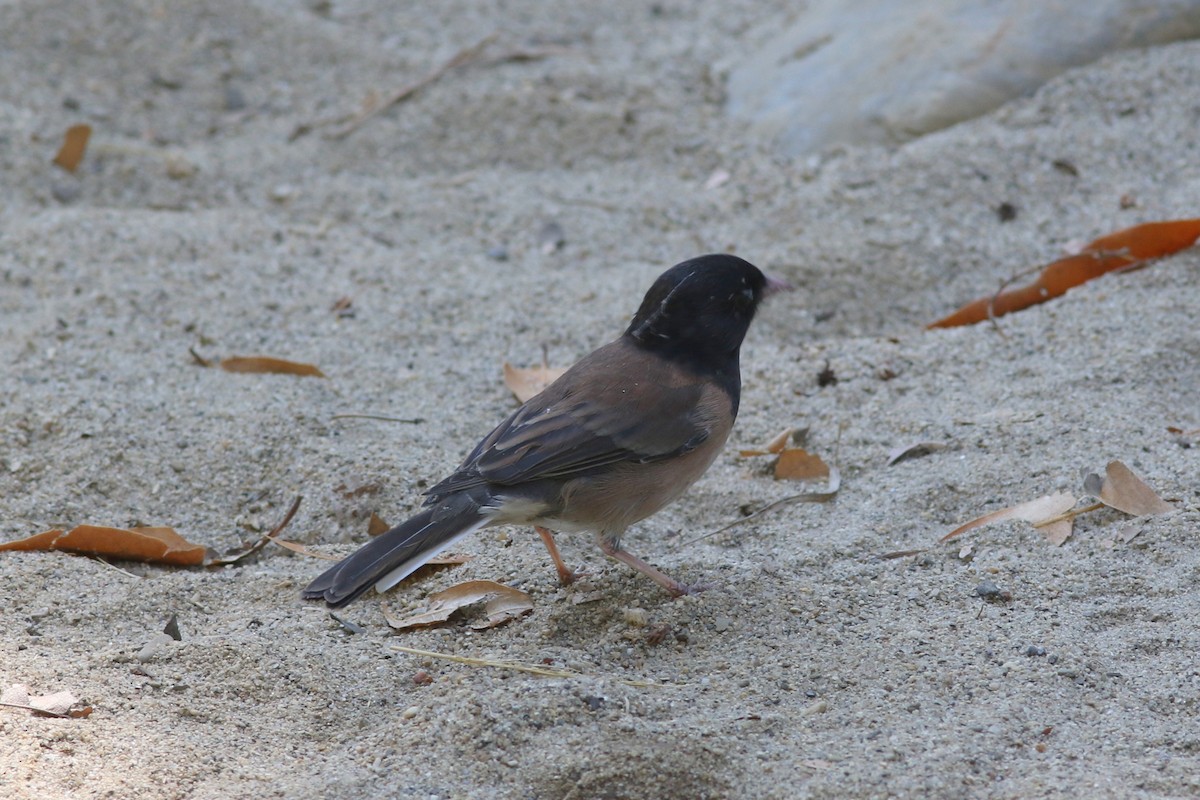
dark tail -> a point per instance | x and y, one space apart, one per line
392 556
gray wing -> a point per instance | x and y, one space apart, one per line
572 426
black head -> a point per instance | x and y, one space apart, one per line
700 310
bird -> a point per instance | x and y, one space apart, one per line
618 436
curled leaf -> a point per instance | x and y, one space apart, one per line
915 450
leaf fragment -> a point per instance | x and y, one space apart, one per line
73 147
776 445
154 544
504 603
56 704
1123 490
269 365
1041 509
914 450
1124 249
527 382
795 464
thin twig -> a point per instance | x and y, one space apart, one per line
464 56
1066 515
835 483
412 421
118 569
261 543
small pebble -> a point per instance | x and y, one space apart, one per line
410 712
65 192
722 624
987 589
498 253
992 593
551 237
234 99
157 646
1034 650
819 707
637 617
283 192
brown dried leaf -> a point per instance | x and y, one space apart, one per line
156 545
267 364
1124 491
73 147
1058 531
527 382
376 525
800 465
507 603
1042 509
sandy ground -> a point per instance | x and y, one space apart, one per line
813 669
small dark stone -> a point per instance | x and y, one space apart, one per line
827 377
1066 167
1052 659
498 253
1006 211
65 192
234 99
1034 650
987 590
594 703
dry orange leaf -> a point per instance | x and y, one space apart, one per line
795 464
505 603
267 364
1042 510
526 382
1120 250
1125 491
73 147
157 545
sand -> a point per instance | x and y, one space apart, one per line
213 212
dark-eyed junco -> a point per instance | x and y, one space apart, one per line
620 435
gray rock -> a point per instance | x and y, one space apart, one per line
886 71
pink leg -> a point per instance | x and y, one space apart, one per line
612 549
566 575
